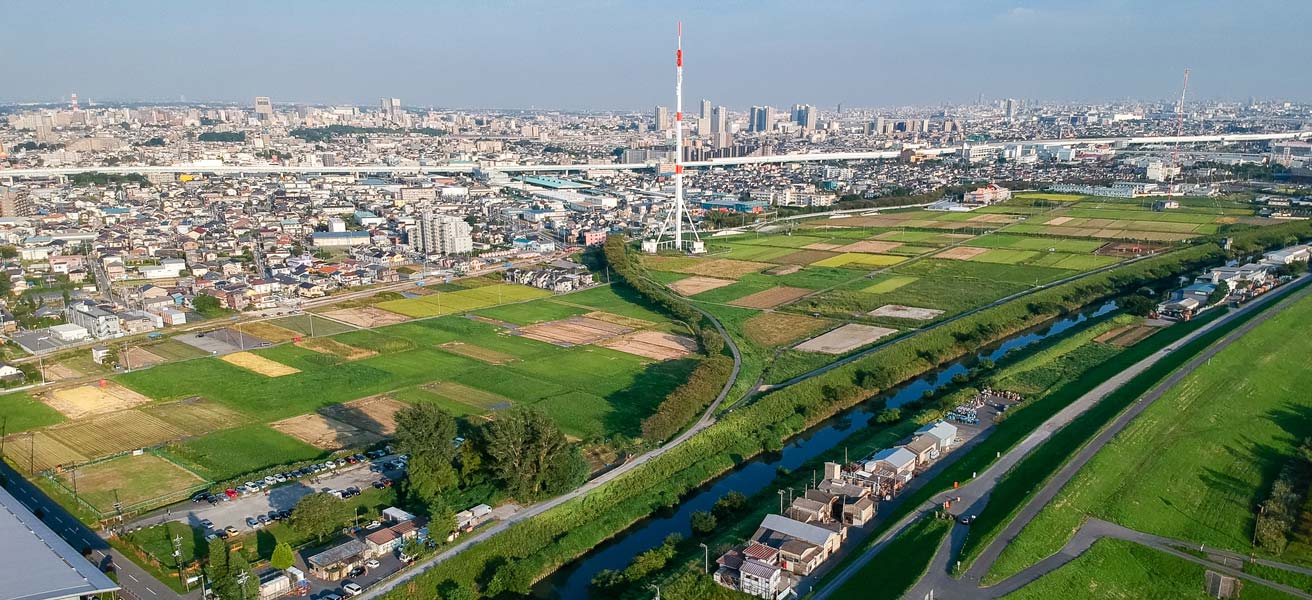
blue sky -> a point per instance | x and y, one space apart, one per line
595 54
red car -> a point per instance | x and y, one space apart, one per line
231 493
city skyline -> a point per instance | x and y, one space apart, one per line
547 57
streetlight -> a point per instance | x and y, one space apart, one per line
706 558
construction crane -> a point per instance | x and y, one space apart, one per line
1179 131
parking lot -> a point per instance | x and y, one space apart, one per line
278 498
221 341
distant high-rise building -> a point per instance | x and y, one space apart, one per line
706 109
444 234
805 116
263 108
879 125
14 205
391 108
662 118
760 119
719 126
1009 108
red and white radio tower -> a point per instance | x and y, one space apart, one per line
1179 132
74 101
680 212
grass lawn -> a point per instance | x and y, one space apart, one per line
900 564
858 260
1005 256
887 283
21 412
171 349
130 479
1119 569
616 299
229 453
322 326
418 395
527 313
1197 461
1020 242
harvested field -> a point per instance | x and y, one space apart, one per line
860 258
619 319
331 346
36 452
86 400
115 433
961 253
783 270
820 246
259 364
805 257
134 479
137 358
868 246
1058 221
897 311
573 331
775 328
195 415
992 218
374 413
771 298
696 285
845 339
888 285
268 331
470 396
366 316
725 268
1129 335
477 353
325 433
656 345
1128 249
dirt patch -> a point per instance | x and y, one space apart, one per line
58 372
37 451
259 364
820 246
961 253
326 433
137 358
784 270
1058 221
776 328
131 480
573 331
619 319
771 298
805 257
477 353
992 218
869 246
1124 337
471 396
325 345
92 399
1127 249
697 284
845 339
897 311
366 316
656 345
374 413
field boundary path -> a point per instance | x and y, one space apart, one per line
974 495
707 418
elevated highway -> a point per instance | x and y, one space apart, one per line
558 168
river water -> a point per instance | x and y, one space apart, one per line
574 580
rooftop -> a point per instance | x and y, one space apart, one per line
51 569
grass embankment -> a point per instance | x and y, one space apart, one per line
510 562
901 563
1120 569
1196 462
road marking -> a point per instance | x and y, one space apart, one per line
151 591
133 578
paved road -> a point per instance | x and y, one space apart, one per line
705 421
136 583
974 495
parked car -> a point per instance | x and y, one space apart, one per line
252 523
200 496
230 493
207 524
372 563
263 519
352 588
356 572
230 530
331 597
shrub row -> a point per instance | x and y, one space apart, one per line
1280 512
513 560
688 400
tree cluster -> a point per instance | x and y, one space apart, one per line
1278 516
230 574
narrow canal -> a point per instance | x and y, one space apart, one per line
574 580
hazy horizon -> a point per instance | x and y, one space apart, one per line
594 55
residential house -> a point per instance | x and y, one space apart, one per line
101 323
802 546
389 539
334 563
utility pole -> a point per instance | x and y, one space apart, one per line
177 560
706 558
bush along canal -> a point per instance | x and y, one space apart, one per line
759 474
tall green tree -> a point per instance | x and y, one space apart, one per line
529 453
217 569
283 557
427 431
429 479
245 583
319 515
